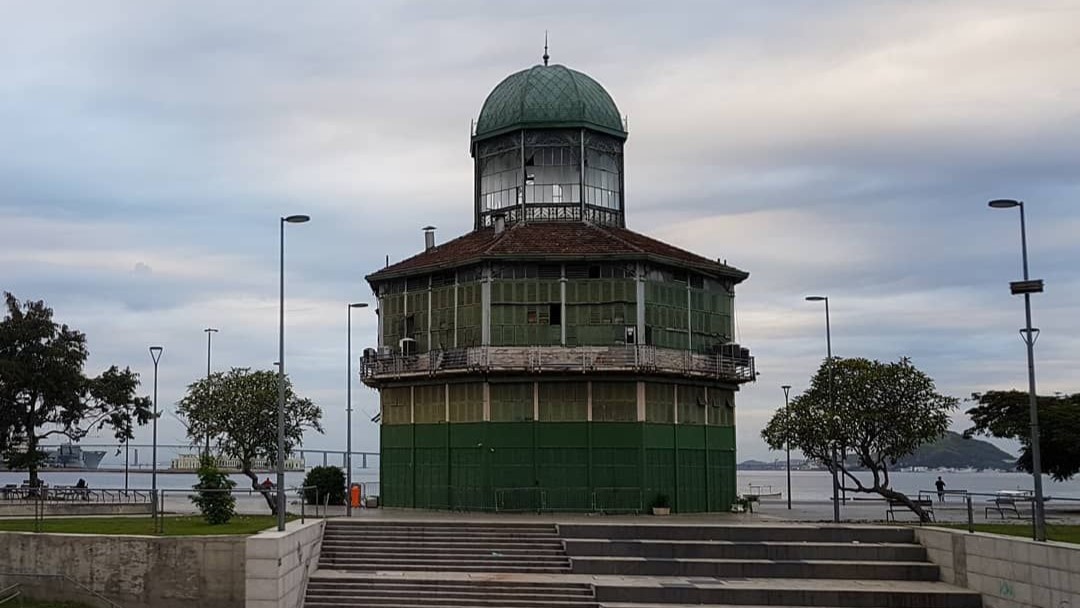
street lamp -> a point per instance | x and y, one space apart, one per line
787 440
1030 335
210 331
155 354
348 409
290 219
832 405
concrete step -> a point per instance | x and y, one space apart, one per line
421 547
386 593
593 547
741 533
480 569
490 540
440 558
791 592
755 568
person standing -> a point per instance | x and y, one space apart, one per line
940 485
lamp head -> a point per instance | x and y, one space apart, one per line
155 353
210 330
816 298
1004 203
786 387
296 219
358 305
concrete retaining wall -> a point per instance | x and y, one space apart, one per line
1010 572
276 561
75 509
136 571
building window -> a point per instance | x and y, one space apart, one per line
555 314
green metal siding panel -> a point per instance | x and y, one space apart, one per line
396 466
720 438
574 466
659 436
691 492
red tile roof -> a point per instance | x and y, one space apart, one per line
553 240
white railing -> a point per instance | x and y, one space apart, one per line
738 366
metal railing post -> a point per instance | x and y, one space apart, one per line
970 515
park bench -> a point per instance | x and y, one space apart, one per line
1002 504
899 505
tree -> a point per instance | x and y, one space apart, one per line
1006 415
325 484
880 412
214 499
44 390
239 409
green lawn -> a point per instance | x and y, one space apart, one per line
173 526
1060 533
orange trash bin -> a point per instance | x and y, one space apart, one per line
354 496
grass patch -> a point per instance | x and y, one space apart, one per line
193 525
1056 532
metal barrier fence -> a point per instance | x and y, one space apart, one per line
1007 505
155 501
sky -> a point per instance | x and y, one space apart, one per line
838 148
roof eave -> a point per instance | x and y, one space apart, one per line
715 269
568 124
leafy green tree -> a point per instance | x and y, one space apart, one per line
238 409
325 484
45 392
880 413
214 499
1006 415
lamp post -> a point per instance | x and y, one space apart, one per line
348 409
787 440
210 331
1030 335
290 219
155 354
832 404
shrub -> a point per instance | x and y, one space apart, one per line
327 482
216 504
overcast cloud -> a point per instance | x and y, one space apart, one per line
842 148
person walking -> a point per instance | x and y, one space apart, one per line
940 485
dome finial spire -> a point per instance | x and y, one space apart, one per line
546 56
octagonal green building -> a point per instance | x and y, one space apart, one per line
552 359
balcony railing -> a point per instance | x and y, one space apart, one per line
731 364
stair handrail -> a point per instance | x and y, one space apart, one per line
304 575
9 593
81 587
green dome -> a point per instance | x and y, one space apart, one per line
548 96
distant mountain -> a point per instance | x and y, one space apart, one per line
950 452
954 452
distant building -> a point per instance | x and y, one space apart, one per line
190 462
552 358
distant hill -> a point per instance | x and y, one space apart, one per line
954 452
950 452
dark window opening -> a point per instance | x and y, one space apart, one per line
555 314
697 281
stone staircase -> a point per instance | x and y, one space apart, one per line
470 564
360 545
865 553
354 592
